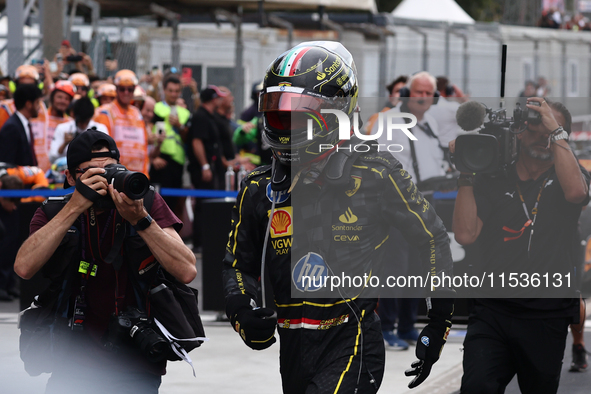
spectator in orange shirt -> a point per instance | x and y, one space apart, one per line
125 123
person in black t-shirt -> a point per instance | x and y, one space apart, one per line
223 116
205 148
547 188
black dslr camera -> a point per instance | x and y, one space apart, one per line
496 144
135 185
134 326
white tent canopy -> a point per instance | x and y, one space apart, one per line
432 10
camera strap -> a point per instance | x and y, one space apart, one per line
429 132
415 162
86 191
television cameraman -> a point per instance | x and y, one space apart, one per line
546 187
93 286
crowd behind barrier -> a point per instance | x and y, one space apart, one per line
49 104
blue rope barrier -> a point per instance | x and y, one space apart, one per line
199 193
445 195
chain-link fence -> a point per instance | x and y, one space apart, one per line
468 55
31 53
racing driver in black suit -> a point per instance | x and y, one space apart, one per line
316 213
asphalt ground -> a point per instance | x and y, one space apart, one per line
225 365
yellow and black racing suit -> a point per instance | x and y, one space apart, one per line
327 338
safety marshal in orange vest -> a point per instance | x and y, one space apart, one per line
45 124
125 123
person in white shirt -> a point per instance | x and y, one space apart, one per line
423 158
445 111
65 132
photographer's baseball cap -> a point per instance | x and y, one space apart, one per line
211 92
80 149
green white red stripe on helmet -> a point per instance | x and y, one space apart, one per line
289 66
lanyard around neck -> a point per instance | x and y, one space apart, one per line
534 211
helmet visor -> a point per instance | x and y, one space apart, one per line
289 101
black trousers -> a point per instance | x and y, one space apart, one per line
329 361
170 176
498 346
9 245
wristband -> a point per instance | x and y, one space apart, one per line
205 167
466 180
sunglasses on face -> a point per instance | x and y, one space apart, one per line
123 89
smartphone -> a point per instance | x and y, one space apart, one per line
187 74
154 70
52 67
74 58
160 126
37 61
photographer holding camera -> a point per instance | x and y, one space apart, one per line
103 249
544 188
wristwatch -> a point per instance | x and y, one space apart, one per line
466 180
205 167
559 134
143 223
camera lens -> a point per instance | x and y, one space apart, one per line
150 343
476 153
479 157
135 185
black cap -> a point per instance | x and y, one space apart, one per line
80 149
211 92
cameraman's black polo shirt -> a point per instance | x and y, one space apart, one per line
503 249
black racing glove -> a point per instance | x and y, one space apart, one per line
256 326
431 339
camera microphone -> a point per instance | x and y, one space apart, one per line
470 115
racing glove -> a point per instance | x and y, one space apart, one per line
256 326
431 339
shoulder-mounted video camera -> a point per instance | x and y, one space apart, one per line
495 145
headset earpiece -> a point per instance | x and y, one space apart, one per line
405 92
449 90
